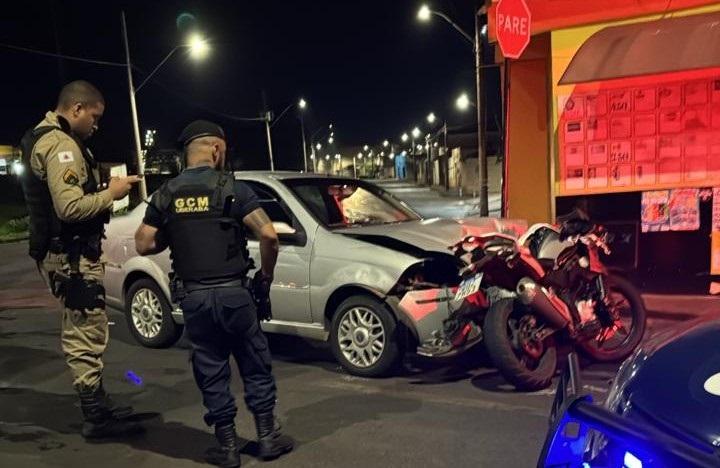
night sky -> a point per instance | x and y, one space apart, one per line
368 67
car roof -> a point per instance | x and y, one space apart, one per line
283 175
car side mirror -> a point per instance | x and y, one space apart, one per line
288 234
283 228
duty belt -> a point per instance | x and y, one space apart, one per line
191 286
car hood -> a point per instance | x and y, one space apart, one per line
433 235
677 382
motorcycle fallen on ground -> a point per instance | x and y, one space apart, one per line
531 297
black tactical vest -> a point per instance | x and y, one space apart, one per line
44 223
206 242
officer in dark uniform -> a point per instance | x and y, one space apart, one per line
201 215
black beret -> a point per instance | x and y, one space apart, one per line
199 129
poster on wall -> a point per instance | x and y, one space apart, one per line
684 209
655 214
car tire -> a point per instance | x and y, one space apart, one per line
149 315
364 337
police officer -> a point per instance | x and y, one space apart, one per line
68 211
201 215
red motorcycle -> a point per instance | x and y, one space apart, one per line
530 296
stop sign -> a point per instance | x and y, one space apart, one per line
512 24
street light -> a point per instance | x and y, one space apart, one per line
365 148
462 102
318 146
404 137
301 104
198 49
415 132
386 143
331 140
425 13
431 118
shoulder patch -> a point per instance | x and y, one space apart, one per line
65 156
70 177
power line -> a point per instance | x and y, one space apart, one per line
62 56
119 64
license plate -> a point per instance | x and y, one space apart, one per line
468 287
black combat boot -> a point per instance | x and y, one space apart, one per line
99 422
119 412
228 454
271 441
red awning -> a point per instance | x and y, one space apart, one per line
662 46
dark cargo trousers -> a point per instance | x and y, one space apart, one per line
221 322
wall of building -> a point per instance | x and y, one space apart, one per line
527 172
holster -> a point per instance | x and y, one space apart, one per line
177 289
79 293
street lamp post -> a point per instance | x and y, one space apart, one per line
268 118
301 104
424 14
198 48
133 110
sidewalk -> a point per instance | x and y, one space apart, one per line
410 185
681 307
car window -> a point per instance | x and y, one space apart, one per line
272 204
342 203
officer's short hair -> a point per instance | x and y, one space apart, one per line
79 91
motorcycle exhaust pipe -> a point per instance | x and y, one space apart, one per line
552 309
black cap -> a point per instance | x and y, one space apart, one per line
199 129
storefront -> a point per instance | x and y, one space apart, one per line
615 106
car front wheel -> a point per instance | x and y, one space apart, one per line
364 337
149 315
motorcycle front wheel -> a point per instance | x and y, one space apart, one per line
618 339
526 363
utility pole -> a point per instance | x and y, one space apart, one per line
481 110
268 118
133 110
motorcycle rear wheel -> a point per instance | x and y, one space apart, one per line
516 366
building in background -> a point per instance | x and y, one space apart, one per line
615 106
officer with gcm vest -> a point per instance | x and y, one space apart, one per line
68 210
201 215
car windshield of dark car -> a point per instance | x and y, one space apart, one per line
344 203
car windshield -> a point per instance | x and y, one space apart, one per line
339 203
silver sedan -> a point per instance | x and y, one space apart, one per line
357 267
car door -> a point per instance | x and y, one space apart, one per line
290 293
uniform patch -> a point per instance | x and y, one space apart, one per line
192 204
65 156
70 177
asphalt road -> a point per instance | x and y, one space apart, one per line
434 414
458 413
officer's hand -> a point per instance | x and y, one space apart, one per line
261 294
261 285
120 186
